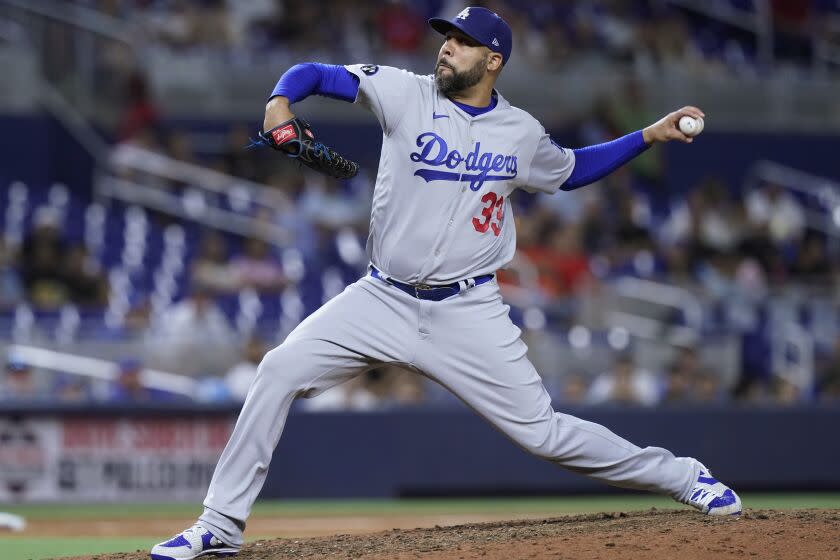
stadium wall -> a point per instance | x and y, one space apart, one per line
38 150
168 454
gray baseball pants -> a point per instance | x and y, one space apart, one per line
468 344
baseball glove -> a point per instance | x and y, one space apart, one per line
296 139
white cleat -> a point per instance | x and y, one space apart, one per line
192 543
713 497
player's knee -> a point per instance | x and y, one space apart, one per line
278 368
542 440
542 451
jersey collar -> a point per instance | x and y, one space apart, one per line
501 104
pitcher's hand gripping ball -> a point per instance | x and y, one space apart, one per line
296 139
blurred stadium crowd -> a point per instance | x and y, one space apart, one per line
191 299
548 34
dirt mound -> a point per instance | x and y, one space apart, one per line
650 535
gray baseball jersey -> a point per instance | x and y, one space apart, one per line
440 215
440 211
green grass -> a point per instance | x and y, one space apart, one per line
36 548
293 508
25 548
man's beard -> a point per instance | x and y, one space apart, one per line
455 81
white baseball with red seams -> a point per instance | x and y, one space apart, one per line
691 126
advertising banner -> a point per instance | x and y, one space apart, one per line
109 459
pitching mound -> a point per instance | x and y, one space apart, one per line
651 535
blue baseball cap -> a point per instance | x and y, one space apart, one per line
483 25
14 364
130 364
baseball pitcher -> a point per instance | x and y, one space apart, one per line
453 151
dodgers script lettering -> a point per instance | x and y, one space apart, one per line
435 152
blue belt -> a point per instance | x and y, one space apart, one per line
433 293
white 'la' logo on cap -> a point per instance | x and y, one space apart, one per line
465 13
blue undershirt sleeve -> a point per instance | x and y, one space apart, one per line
302 80
595 162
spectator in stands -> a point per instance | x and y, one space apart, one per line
631 249
403 387
792 30
708 387
753 389
812 264
290 185
179 146
401 27
716 272
212 389
211 26
594 235
625 384
781 387
21 383
758 248
141 113
355 394
187 26
11 288
128 387
787 391
257 267
42 249
211 269
376 389
193 337
247 164
688 381
562 266
650 36
828 375
240 376
326 204
71 389
55 275
776 212
138 318
678 385
85 282
246 18
520 280
705 221
575 387
668 46
147 139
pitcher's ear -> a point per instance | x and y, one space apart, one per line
494 61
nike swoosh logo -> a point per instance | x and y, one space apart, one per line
434 116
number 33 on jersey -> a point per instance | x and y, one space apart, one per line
495 205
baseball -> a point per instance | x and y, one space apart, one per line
691 126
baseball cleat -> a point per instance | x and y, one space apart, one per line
713 497
192 543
